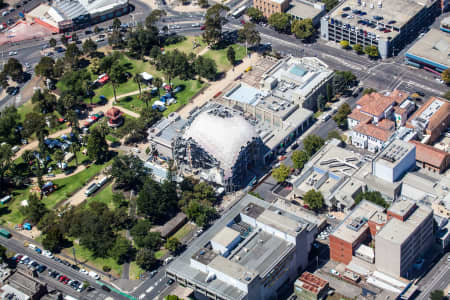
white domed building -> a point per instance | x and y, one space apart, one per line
218 145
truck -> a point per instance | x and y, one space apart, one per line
91 189
103 181
5 233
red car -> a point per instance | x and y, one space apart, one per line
242 22
203 27
66 280
62 278
93 118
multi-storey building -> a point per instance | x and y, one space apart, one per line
388 25
269 7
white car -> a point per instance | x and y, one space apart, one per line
83 271
171 101
47 253
334 272
94 275
12 53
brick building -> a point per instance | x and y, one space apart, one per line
431 158
269 7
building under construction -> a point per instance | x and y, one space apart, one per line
218 145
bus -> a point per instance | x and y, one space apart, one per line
5 233
239 12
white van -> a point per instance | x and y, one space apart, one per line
32 247
94 275
168 260
15 149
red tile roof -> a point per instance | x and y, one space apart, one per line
429 154
373 131
359 116
386 124
375 103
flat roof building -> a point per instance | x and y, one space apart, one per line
385 24
406 236
271 7
264 249
310 287
304 9
430 52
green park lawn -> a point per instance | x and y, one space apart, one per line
85 256
186 46
220 56
66 187
104 196
191 87
160 253
135 271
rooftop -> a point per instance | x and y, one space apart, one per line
401 207
303 10
393 154
375 104
430 115
311 282
398 232
225 236
355 223
429 154
167 129
392 15
253 257
432 48
374 131
359 116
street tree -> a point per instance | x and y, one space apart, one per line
72 54
255 15
303 29
13 68
437 295
334 134
64 40
53 239
330 4
343 80
45 67
89 47
201 213
314 199
281 22
299 159
358 48
116 23
344 44
96 30
52 43
173 245
97 148
341 115
446 76
231 55
312 143
249 34
203 3
214 18
154 17
372 51
281 173
146 260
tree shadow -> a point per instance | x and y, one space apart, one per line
97 54
83 63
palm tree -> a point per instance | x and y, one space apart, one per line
146 97
138 79
157 82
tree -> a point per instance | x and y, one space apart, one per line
5 160
97 148
155 52
13 68
64 40
299 159
116 23
358 48
249 34
281 173
52 43
369 91
35 209
4 80
116 75
203 3
446 76
33 123
343 80
154 17
341 115
344 44
146 260
2 253
138 79
231 55
437 295
374 197
314 199
281 22
89 47
321 102
128 172
45 67
9 119
303 29
205 67
157 83
255 15
71 55
96 30
446 95
312 143
372 51
53 238
173 245
201 214
330 4
122 250
140 231
214 18
58 156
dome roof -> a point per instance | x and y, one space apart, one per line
222 136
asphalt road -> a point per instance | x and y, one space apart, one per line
436 279
17 246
